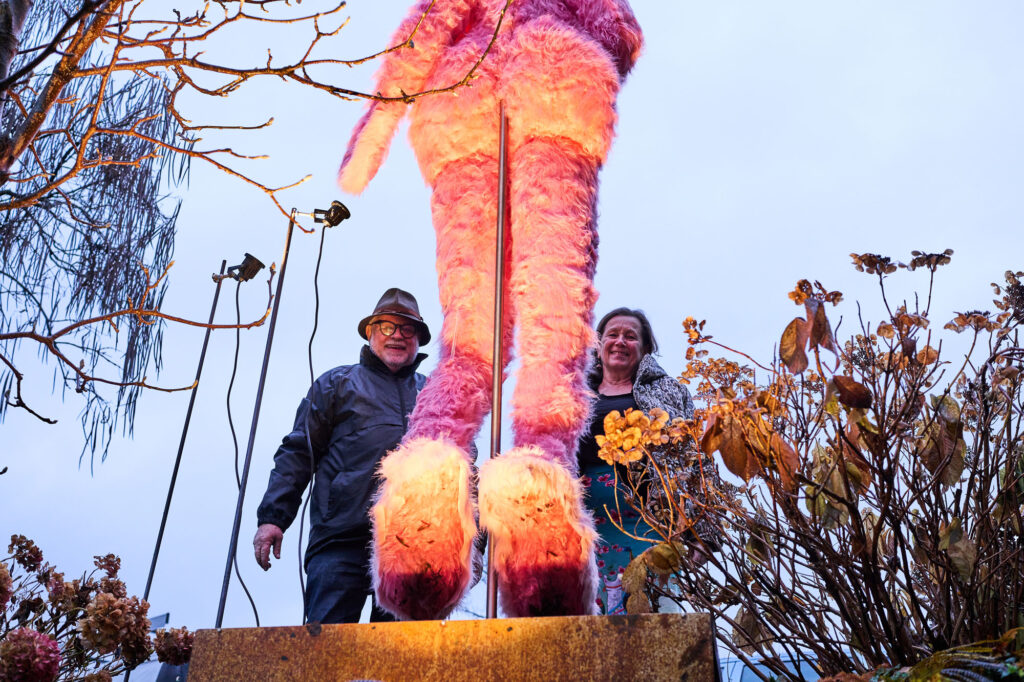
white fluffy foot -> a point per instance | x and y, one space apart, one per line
543 535
423 530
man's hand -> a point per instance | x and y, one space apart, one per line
268 535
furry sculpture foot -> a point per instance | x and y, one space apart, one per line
423 530
543 535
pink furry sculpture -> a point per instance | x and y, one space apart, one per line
557 65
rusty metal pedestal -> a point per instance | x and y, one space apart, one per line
650 647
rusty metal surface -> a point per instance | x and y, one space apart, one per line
650 647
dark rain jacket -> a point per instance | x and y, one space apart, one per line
354 415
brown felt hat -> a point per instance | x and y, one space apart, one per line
395 301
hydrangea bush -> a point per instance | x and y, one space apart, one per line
875 512
83 629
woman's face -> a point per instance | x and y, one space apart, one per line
621 345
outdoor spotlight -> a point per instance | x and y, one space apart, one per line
333 215
243 272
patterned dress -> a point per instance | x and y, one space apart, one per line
623 534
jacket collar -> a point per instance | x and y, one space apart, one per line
649 370
369 360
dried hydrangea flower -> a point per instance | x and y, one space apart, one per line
112 621
113 586
109 564
25 553
55 586
98 676
6 586
29 656
174 646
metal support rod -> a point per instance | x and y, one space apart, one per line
233 546
184 434
497 369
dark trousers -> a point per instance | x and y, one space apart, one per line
338 583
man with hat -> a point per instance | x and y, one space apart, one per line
351 417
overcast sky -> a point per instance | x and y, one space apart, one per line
759 143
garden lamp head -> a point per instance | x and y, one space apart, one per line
333 215
246 270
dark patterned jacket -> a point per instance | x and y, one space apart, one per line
653 388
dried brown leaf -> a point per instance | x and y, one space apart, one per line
735 448
946 408
786 460
820 330
773 450
712 438
963 554
851 454
792 345
851 393
942 451
909 346
635 574
747 635
638 604
664 559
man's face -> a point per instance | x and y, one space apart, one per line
395 351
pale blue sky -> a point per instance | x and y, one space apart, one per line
759 143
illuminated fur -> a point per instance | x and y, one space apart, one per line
423 530
543 535
549 54
557 66
553 259
458 393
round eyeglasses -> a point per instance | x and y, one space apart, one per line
388 328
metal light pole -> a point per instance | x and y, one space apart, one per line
330 217
184 433
233 546
496 362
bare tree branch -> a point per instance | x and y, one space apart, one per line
92 138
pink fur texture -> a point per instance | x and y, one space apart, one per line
374 131
457 395
557 66
404 71
553 258
423 530
559 61
543 535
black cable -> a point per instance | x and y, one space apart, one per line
234 436
238 574
312 381
231 383
236 524
316 302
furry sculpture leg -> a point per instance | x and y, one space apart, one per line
557 65
530 500
419 533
